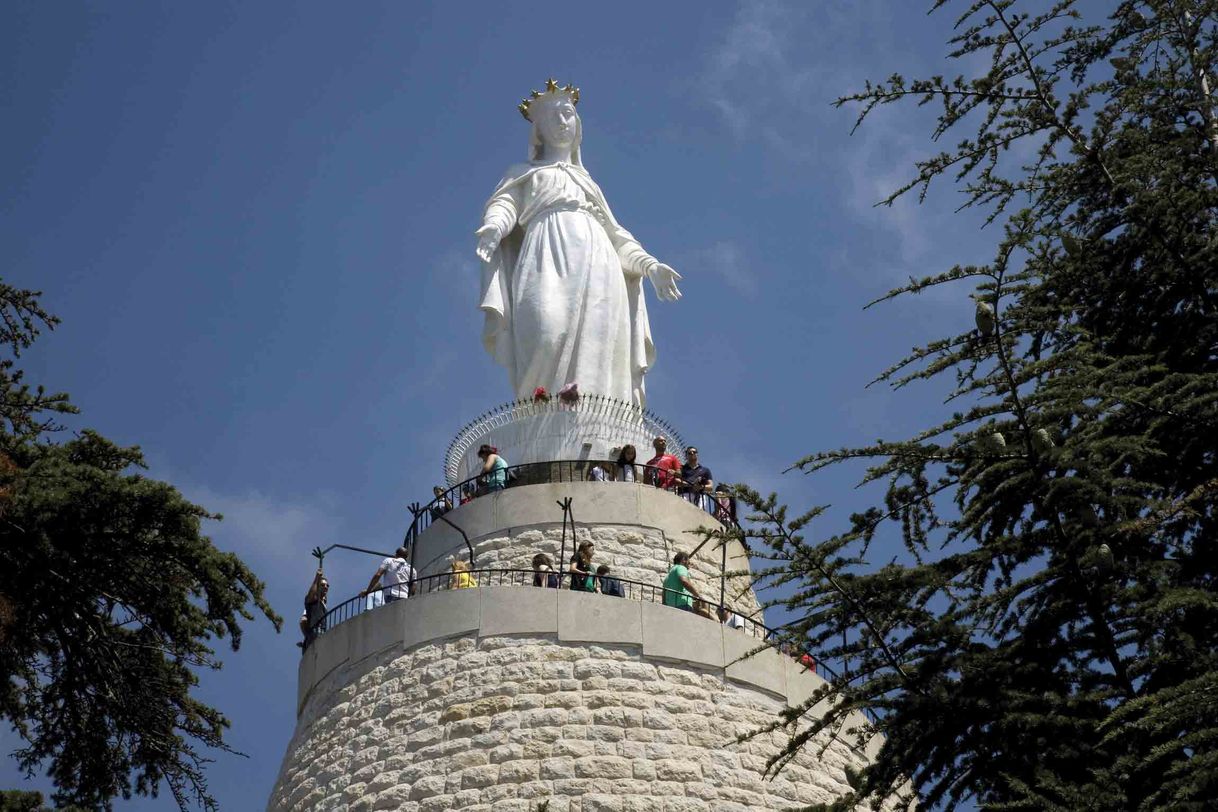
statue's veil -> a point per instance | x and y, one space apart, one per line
535 140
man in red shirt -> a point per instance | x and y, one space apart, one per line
663 469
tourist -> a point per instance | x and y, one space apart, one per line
494 468
543 572
395 575
679 591
625 464
313 619
725 507
461 577
696 480
664 468
609 585
730 619
582 578
597 473
441 504
468 493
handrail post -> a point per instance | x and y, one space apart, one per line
468 546
565 504
320 554
722 575
412 535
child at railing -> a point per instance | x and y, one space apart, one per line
625 464
609 585
441 504
543 572
461 577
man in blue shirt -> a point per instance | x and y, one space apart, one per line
696 479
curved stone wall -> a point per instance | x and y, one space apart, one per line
637 529
500 698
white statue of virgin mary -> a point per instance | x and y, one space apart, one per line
562 286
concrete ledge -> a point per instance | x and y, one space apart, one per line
442 614
329 652
584 618
673 634
518 610
801 682
306 676
372 631
766 669
661 632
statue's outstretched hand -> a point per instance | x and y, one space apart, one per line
488 241
665 279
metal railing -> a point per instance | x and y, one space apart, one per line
720 505
470 579
609 411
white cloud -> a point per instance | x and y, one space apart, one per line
880 161
266 529
779 65
456 272
750 79
725 259
772 77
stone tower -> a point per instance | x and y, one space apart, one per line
513 697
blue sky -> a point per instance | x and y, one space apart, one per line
255 221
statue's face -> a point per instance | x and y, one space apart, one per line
558 123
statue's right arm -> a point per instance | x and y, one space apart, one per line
501 212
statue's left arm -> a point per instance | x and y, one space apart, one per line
636 262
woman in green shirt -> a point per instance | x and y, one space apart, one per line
494 469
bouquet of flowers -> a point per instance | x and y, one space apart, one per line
569 394
540 395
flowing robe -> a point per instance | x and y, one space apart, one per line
562 294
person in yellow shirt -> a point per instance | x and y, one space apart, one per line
461 577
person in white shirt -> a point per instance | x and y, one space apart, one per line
730 619
395 575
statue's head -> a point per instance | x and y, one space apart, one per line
555 121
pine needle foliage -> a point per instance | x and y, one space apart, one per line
1047 640
110 600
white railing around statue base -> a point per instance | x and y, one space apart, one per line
589 428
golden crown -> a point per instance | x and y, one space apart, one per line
551 87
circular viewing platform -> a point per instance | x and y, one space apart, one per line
505 603
500 688
503 697
587 427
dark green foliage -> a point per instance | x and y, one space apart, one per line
12 800
110 598
1048 639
